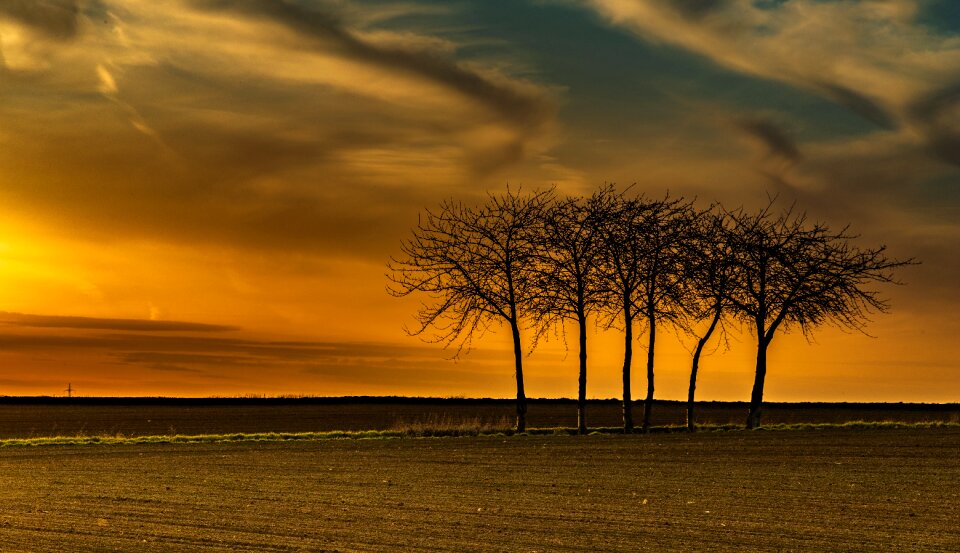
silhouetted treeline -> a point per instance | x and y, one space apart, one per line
533 261
255 400
427 400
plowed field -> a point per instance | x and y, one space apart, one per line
836 490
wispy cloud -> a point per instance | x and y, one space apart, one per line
144 349
150 342
135 325
247 122
871 57
524 106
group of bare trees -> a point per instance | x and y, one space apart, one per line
536 261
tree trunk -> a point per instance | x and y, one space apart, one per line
582 397
521 396
627 360
691 426
648 403
756 397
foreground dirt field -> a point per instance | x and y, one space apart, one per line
798 490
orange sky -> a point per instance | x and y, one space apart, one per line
199 197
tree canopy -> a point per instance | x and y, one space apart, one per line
531 258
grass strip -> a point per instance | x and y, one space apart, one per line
441 433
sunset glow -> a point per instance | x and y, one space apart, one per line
199 197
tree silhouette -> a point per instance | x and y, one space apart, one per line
642 269
526 256
790 273
475 264
569 286
665 227
709 262
620 228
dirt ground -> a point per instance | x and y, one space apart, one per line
837 490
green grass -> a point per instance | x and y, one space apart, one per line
447 430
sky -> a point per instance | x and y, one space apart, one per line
199 197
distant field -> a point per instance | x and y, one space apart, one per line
31 417
829 490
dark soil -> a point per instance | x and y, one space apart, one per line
829 490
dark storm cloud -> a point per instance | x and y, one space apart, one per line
329 30
54 18
138 325
772 136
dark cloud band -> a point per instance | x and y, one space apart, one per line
137 325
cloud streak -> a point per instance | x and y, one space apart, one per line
132 325
140 341
54 18
861 55
243 362
525 107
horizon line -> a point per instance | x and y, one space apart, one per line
373 398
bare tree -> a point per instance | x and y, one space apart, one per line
476 267
620 228
569 287
642 269
791 273
709 264
665 227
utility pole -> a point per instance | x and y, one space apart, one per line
69 389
